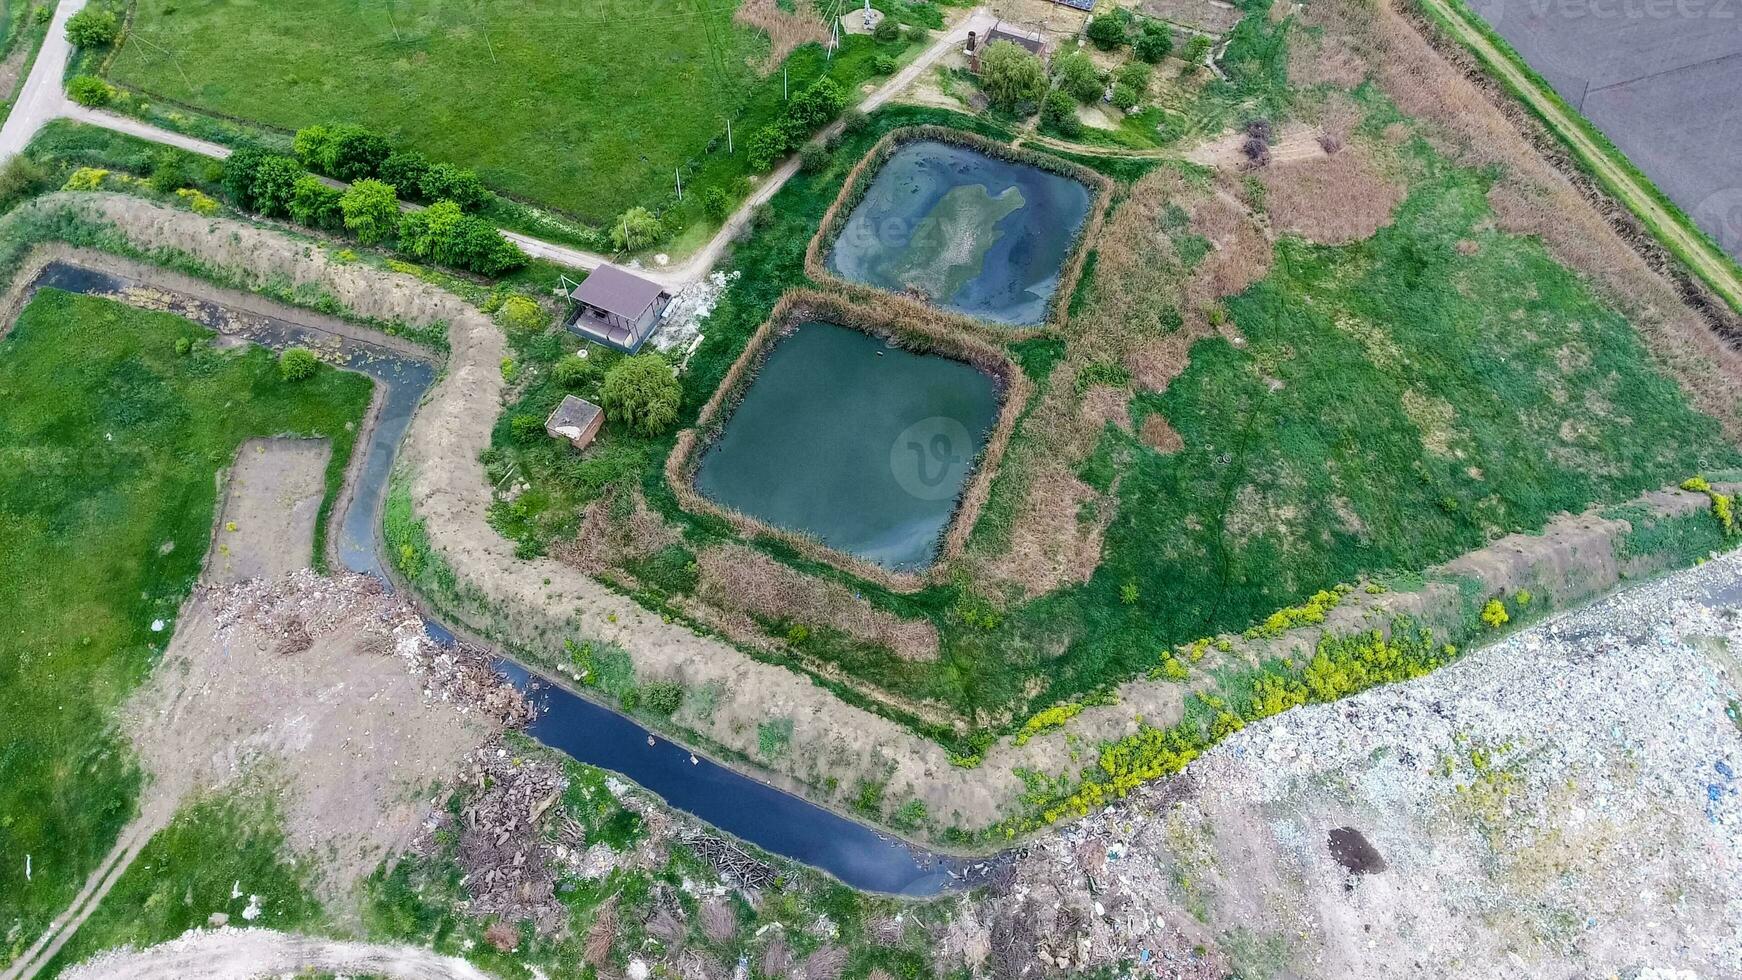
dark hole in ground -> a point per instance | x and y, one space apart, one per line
1354 852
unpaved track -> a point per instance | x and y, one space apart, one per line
43 100
235 954
1711 265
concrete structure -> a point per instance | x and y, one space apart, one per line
1031 41
618 308
576 420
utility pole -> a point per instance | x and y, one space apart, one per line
679 172
783 83
728 137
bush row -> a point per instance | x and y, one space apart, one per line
277 186
352 153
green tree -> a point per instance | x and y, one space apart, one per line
371 211
169 171
238 176
641 393
1126 97
1135 74
813 158
275 185
635 230
297 364
1059 113
405 170
357 153
444 181
715 204
93 27
1077 75
821 102
314 147
887 30
1014 79
315 204
435 233
1155 42
1107 31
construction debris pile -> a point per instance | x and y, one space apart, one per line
505 847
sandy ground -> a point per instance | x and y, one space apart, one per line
1294 142
1562 804
267 527
235 954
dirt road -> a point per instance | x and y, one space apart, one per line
43 100
234 954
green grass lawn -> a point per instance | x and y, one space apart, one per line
586 108
109 441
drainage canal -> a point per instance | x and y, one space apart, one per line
772 819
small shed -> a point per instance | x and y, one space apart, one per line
576 420
1031 41
618 308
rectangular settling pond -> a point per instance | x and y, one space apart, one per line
849 440
972 233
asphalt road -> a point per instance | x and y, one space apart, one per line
1661 78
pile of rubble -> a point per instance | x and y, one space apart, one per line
504 849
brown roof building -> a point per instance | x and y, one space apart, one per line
576 420
618 308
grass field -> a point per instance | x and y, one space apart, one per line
110 440
586 108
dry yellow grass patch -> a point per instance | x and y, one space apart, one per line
740 578
1333 200
786 30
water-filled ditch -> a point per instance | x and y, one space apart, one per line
770 818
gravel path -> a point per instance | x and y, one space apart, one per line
236 954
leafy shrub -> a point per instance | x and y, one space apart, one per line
636 229
1059 113
1125 97
1494 614
715 204
93 27
887 30
1309 613
1107 31
1135 74
275 186
404 169
523 314
169 172
197 202
813 158
371 211
85 179
90 91
526 427
20 178
662 697
1078 76
1155 42
821 102
642 393
297 364
1051 719
911 816
1174 669
854 121
1014 79
772 737
1197 48
315 204
574 372
443 233
444 181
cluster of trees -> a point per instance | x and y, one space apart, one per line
278 186
810 110
1151 40
352 153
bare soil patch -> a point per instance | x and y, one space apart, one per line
267 526
225 954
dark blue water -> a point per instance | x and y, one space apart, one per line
1018 274
774 820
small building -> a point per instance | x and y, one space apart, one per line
576 420
1031 41
618 308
